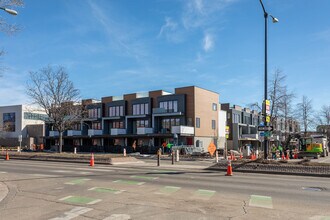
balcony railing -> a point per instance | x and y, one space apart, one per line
73 132
183 130
92 132
117 131
252 136
144 131
163 111
53 133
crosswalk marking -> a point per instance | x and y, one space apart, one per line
73 213
261 201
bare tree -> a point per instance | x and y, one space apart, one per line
305 113
286 109
323 116
51 89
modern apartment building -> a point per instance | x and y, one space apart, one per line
189 116
21 121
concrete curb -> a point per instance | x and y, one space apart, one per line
3 191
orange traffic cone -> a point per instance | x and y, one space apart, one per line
295 156
282 156
7 156
229 169
287 156
240 156
91 163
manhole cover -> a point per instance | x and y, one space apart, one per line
317 189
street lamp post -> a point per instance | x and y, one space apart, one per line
275 20
10 11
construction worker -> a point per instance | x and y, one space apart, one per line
169 147
164 146
280 149
274 151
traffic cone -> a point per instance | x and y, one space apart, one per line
229 169
7 156
91 163
295 156
240 156
287 156
283 156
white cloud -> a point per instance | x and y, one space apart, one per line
170 30
208 42
169 26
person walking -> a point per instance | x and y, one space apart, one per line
169 147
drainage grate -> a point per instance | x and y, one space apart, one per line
316 189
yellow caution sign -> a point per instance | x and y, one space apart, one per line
267 118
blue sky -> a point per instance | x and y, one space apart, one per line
143 45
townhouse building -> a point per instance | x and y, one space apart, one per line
143 121
243 127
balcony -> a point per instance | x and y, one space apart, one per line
163 111
250 136
92 132
117 131
73 132
144 131
183 130
53 133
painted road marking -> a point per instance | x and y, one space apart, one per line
129 182
118 217
94 169
77 181
204 194
145 177
80 200
109 190
73 213
62 171
261 201
3 172
167 190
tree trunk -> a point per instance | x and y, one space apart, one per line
60 142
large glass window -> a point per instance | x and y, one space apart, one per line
117 124
116 111
169 106
142 123
94 113
141 109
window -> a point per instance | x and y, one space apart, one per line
198 122
169 106
94 113
141 109
213 124
116 111
142 123
117 124
96 125
214 107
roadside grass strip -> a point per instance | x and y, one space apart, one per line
145 177
73 213
80 200
77 181
261 201
204 194
129 182
106 190
167 190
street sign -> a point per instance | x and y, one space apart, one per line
267 119
262 134
267 133
20 137
265 128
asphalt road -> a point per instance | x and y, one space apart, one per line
63 191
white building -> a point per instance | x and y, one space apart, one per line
22 120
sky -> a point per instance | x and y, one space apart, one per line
115 47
